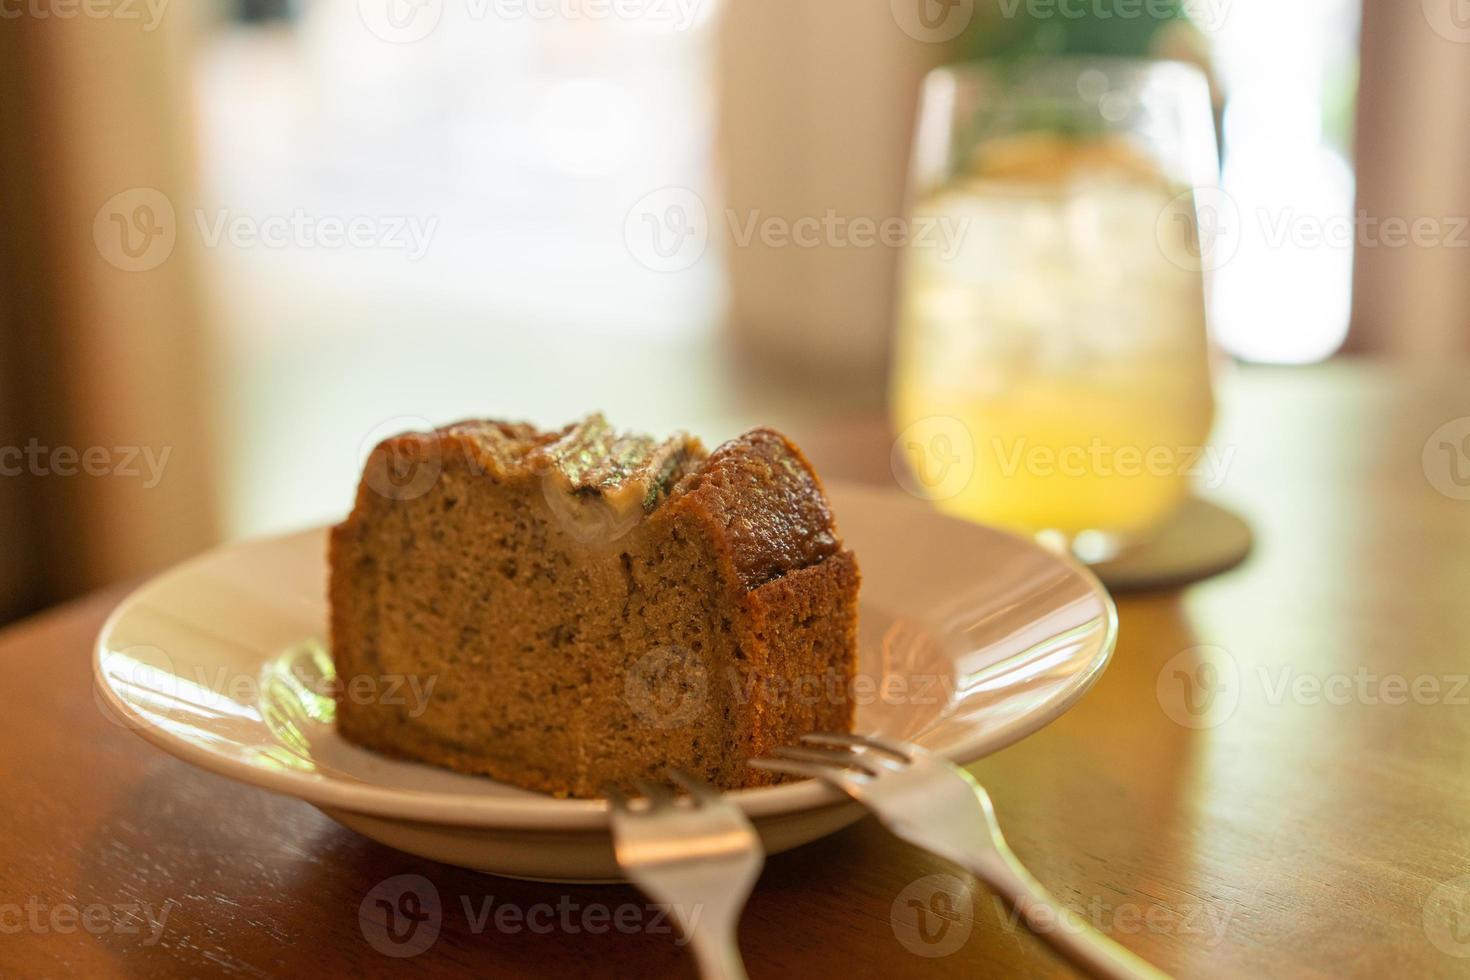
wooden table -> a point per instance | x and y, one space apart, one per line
1315 820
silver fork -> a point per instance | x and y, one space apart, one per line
700 859
938 806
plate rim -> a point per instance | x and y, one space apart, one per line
548 812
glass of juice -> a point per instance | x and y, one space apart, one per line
1051 370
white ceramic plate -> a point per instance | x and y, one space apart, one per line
970 640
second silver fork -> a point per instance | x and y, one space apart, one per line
938 806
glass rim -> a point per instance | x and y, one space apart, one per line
1167 106
992 69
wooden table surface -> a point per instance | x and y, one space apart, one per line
1313 819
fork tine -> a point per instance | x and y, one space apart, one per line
827 757
801 769
657 794
895 749
698 790
873 758
615 798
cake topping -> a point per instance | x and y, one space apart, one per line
603 482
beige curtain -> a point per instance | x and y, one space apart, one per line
1413 150
101 346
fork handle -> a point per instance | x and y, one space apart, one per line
717 953
1068 935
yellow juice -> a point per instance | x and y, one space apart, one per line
1070 456
1052 368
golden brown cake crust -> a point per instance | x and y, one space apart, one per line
469 556
763 501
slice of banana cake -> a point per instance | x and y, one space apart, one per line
591 607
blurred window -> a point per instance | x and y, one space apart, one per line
1289 71
489 152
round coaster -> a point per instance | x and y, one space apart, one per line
1201 540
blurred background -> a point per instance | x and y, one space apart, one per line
244 240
